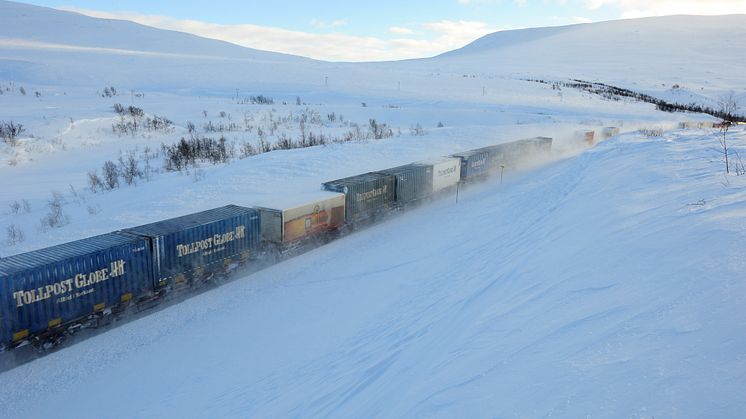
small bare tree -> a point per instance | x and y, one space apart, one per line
95 182
56 216
14 235
728 107
111 175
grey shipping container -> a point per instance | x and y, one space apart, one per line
194 245
48 288
366 195
413 182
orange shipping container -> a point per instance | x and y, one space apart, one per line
302 217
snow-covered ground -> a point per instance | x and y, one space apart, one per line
605 283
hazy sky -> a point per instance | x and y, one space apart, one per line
349 30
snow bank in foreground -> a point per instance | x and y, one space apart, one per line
606 285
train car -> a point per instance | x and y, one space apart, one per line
414 182
195 246
44 292
446 172
301 218
366 196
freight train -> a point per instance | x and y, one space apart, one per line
50 294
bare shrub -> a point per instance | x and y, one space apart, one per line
94 182
14 235
130 169
379 130
56 217
9 132
111 175
94 210
247 150
416 130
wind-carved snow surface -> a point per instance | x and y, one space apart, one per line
605 285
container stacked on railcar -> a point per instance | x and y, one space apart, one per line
446 172
194 246
413 182
366 196
310 216
475 164
46 290
609 132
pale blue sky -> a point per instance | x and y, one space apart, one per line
375 30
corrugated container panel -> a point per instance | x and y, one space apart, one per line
193 242
474 163
270 224
62 283
413 182
544 144
366 195
300 219
446 172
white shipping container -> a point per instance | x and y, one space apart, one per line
446 172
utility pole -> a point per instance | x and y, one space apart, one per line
502 168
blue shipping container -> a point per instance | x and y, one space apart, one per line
46 288
197 244
474 164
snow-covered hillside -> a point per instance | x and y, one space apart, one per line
607 285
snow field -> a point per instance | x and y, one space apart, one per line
575 289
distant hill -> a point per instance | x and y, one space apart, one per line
45 25
704 50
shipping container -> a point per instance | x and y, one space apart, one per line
195 245
366 195
300 217
446 172
475 164
609 132
49 288
585 138
414 182
541 145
